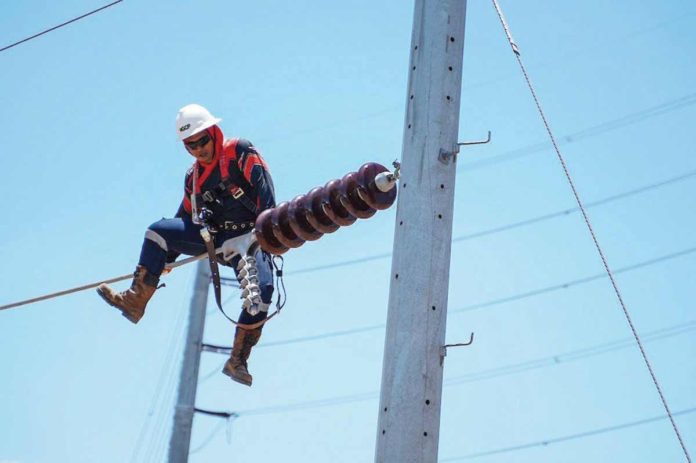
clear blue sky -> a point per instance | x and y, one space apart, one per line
90 159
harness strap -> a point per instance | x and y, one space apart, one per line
233 182
233 179
215 273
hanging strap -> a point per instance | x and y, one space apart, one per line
215 274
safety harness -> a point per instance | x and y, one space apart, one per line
232 181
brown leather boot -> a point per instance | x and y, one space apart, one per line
236 366
132 302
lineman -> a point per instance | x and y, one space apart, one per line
227 187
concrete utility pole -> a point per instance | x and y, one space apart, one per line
409 414
186 400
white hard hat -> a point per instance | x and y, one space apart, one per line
193 119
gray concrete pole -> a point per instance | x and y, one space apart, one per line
409 414
186 400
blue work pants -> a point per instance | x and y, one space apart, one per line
171 237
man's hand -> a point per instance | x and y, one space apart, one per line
205 215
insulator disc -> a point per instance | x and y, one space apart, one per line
372 195
297 219
264 234
342 216
281 227
349 190
318 216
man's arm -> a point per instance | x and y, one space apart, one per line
255 171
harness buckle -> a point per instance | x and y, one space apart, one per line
238 193
208 196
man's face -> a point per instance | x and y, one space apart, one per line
201 147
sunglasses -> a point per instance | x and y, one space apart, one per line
201 142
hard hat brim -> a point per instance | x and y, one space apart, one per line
193 131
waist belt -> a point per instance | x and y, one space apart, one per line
234 226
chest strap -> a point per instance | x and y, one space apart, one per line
232 181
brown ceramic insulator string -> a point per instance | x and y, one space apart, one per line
59 26
516 51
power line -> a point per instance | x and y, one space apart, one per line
548 361
564 212
60 25
480 305
553 360
507 370
94 285
578 281
556 440
207 440
159 405
510 226
568 176
607 126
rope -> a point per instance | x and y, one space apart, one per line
188 260
60 25
516 51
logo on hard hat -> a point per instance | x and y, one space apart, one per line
186 127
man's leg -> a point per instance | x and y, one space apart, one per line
167 237
236 367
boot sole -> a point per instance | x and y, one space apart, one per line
123 312
237 380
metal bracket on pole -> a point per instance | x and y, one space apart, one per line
476 142
445 156
443 349
226 415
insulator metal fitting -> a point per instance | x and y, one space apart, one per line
250 291
248 280
252 304
249 283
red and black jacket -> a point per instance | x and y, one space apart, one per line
236 186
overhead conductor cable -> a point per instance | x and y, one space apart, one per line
516 51
59 26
